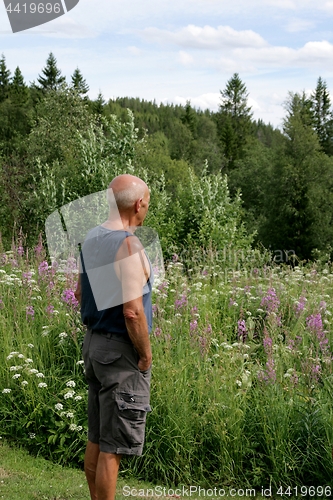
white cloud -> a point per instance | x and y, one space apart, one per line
185 58
204 38
296 25
135 51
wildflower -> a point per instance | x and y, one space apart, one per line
17 375
39 375
69 394
50 309
157 332
30 312
26 277
193 326
270 301
43 268
300 304
31 346
77 398
63 335
42 385
70 383
69 415
33 370
24 382
32 435
58 406
6 391
182 302
69 297
242 331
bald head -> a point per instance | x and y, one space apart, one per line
127 189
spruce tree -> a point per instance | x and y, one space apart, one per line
52 78
322 116
234 118
19 92
79 83
4 79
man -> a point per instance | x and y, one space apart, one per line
116 348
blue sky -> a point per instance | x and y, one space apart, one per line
177 50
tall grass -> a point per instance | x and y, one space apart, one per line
242 371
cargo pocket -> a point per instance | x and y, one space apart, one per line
132 411
105 357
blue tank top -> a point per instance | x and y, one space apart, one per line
100 285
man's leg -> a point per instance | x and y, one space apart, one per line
106 475
90 466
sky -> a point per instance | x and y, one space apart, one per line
178 50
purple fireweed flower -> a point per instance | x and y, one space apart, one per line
154 309
232 302
322 305
270 301
14 263
300 305
193 326
20 250
30 312
242 331
208 329
39 247
43 268
204 272
315 324
194 310
268 342
157 332
3 259
182 302
50 309
203 343
26 277
69 297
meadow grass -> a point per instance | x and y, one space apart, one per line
242 380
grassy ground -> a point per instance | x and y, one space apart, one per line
23 477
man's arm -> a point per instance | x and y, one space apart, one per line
133 276
77 292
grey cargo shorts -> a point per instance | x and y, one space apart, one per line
118 395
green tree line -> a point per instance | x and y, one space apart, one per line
212 173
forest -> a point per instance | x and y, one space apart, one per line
274 186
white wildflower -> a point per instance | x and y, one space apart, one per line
24 382
69 394
42 384
6 391
78 398
39 375
59 406
70 383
